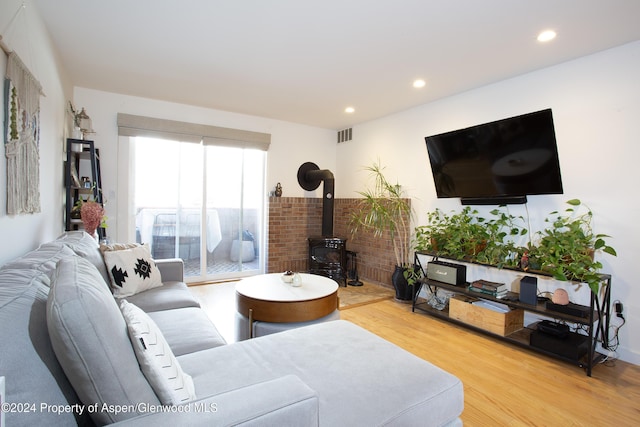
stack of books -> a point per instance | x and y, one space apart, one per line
485 287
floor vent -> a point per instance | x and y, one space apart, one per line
344 135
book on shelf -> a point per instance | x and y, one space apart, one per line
488 286
497 294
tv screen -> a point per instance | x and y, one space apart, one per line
509 158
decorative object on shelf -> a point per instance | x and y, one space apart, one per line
278 191
75 181
560 297
22 138
528 290
386 211
76 133
92 216
81 121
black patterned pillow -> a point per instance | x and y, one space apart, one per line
131 269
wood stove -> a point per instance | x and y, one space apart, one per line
328 257
327 254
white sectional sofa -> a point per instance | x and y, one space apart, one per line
68 358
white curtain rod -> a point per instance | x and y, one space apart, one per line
4 46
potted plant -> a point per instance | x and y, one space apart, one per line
566 248
384 210
457 235
91 212
502 228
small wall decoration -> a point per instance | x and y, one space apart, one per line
22 138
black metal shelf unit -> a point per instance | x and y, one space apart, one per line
76 189
596 323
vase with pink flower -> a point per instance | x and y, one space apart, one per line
92 216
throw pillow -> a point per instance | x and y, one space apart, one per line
158 364
131 268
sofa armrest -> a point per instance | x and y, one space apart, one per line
284 401
171 269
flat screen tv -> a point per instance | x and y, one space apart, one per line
498 162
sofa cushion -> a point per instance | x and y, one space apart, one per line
362 379
90 339
131 269
156 359
43 259
166 297
86 247
187 330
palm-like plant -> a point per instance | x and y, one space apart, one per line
385 208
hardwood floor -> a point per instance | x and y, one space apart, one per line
504 385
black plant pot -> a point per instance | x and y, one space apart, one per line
404 291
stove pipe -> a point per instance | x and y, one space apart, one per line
309 177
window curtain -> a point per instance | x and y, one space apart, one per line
22 138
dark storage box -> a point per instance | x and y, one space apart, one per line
573 346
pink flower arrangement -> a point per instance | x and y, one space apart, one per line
91 214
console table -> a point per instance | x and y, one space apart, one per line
595 324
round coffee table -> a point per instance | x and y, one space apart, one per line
267 298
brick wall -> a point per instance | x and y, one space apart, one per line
293 219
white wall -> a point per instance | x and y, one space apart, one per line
21 233
596 109
291 144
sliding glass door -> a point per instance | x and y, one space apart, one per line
202 203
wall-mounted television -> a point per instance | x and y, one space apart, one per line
498 162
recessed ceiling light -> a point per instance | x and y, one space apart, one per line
546 36
349 110
419 83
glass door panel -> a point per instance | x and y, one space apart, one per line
235 187
203 204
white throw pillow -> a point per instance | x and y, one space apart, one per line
131 269
158 364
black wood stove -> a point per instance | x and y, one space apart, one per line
328 257
327 253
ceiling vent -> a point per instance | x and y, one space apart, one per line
344 135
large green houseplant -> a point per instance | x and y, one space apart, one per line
566 248
465 235
385 210
456 235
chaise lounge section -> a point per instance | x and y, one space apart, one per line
69 355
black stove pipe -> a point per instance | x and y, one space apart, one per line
309 177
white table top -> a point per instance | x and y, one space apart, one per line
270 287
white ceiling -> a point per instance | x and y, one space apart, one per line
304 61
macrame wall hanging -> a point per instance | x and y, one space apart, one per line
22 138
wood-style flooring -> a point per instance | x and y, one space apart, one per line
504 385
